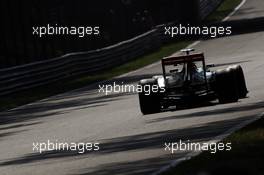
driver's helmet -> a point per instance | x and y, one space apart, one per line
192 67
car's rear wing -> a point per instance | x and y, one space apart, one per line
172 60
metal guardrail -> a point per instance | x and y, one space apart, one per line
45 72
40 73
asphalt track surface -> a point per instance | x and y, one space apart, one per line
129 142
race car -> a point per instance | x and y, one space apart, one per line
187 80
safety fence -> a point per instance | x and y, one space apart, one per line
45 72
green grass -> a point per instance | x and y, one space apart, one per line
246 156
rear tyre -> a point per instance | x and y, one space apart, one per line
226 86
241 83
149 102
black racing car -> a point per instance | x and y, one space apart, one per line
187 80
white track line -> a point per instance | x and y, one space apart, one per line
235 10
194 44
222 136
